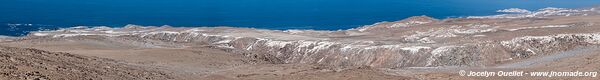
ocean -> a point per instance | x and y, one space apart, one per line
18 17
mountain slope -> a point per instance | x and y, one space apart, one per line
33 64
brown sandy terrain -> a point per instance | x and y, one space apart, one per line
33 64
417 48
206 63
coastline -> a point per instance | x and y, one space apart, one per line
418 47
502 14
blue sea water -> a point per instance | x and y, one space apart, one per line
17 17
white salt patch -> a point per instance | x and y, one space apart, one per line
514 10
113 32
473 31
438 52
321 46
409 23
418 22
550 11
531 51
223 41
426 40
384 46
479 35
547 26
399 25
278 44
555 26
415 49
40 34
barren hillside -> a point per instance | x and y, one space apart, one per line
420 47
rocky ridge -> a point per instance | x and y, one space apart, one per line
414 42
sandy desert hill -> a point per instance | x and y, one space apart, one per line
416 48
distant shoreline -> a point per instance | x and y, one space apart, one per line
501 14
